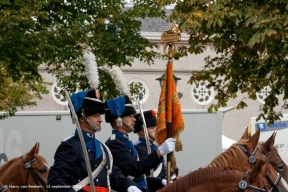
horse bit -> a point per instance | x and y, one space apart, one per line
252 159
28 165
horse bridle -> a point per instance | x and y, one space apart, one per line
251 157
252 160
28 165
243 183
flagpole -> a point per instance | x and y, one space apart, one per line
170 37
169 110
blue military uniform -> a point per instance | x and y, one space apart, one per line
125 157
69 167
141 148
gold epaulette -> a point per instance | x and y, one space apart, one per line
112 137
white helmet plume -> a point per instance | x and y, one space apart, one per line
119 79
91 69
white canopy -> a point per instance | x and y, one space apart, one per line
226 142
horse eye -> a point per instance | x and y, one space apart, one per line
43 170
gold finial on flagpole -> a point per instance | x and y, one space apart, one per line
170 36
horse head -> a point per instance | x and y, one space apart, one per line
243 153
227 178
38 166
274 178
28 172
270 151
267 148
263 178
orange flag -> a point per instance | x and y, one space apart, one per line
169 109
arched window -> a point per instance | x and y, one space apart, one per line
201 94
141 89
55 92
261 96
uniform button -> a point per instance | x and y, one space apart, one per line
88 150
96 180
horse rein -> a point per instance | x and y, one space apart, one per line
28 165
252 160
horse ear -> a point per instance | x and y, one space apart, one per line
269 142
245 134
34 150
37 148
257 169
253 140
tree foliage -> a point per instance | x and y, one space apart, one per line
55 33
250 38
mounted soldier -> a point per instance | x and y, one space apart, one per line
119 113
81 152
69 167
141 145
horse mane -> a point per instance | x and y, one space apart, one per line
8 163
233 155
196 177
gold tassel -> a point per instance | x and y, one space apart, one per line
178 145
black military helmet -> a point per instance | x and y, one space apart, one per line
150 120
118 107
90 103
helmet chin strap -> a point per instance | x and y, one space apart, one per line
128 127
97 129
152 138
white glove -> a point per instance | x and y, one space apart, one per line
164 182
167 146
133 189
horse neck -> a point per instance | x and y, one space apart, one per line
224 183
231 157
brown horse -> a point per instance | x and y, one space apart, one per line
225 179
270 151
28 172
238 154
244 153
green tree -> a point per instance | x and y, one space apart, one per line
56 32
250 38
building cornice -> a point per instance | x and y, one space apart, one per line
151 70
